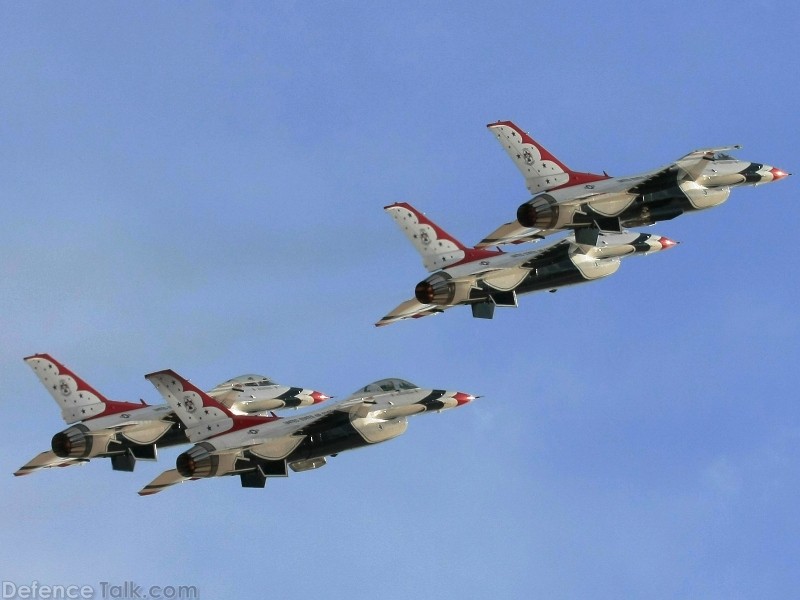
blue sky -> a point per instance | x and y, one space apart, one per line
200 187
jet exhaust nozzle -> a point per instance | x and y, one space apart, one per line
72 442
439 289
541 212
436 289
197 462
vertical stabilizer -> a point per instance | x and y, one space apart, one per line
542 170
438 248
76 398
203 416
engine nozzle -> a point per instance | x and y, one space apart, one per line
424 292
436 289
197 462
73 442
541 212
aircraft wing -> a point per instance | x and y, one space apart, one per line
514 233
46 460
410 309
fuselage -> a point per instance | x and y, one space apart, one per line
370 416
501 277
251 394
135 433
644 199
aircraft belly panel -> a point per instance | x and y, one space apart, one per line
702 197
592 268
613 205
339 439
278 448
509 280
374 431
146 433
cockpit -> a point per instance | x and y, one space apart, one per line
723 156
387 385
246 381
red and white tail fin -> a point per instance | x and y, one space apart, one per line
542 170
203 416
438 248
77 400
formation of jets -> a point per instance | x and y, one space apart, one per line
127 431
593 210
234 429
258 447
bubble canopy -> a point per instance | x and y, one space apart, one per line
387 385
249 380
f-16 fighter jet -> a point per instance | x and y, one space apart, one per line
249 394
255 448
485 278
589 202
125 431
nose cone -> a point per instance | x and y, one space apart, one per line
666 243
318 397
777 173
462 398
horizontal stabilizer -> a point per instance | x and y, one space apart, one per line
47 460
163 481
410 309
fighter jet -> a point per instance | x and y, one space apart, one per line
255 448
249 394
485 278
588 203
127 431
